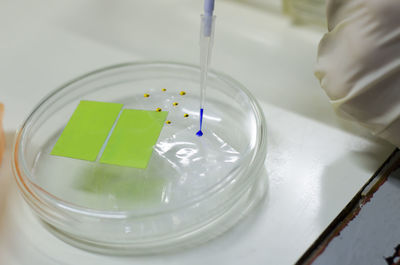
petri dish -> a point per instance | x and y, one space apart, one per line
193 188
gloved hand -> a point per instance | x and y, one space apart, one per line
359 63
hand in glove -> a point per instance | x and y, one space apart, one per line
359 63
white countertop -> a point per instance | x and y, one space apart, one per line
315 164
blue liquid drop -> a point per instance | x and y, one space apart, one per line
200 133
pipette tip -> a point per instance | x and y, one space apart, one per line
200 133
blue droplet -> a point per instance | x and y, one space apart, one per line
200 133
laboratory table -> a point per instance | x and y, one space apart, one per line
316 162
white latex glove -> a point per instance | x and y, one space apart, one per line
359 63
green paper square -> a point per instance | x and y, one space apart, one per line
87 130
131 143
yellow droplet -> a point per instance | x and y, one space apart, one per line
185 115
146 95
182 93
158 109
163 89
175 104
168 122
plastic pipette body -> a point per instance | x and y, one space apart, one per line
206 43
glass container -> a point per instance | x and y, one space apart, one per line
193 188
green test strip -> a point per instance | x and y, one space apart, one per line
87 130
131 143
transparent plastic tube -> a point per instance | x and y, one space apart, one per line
206 43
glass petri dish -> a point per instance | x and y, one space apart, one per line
193 189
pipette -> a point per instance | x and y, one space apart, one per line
206 43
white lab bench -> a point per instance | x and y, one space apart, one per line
316 162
